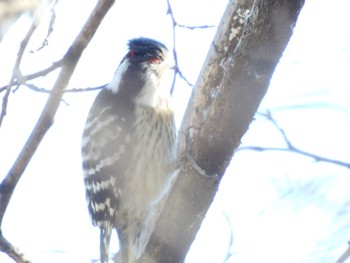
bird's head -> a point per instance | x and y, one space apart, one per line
146 50
140 73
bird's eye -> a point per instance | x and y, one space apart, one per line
132 53
154 60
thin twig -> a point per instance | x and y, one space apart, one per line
16 68
73 90
269 117
316 157
51 24
84 89
176 67
22 79
229 254
290 147
195 27
184 78
41 73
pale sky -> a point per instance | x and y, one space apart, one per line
282 207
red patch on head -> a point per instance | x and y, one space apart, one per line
132 53
154 60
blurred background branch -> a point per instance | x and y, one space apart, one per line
290 147
69 63
11 10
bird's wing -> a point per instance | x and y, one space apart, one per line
106 152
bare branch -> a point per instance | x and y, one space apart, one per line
36 88
40 73
175 23
290 147
73 90
12 251
23 79
179 72
195 27
176 68
229 254
268 116
78 90
16 68
316 157
346 255
51 24
45 121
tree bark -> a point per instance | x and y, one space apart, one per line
245 51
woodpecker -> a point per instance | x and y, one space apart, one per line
128 146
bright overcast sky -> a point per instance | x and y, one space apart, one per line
282 207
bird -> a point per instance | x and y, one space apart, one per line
128 144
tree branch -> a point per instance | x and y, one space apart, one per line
195 27
45 121
229 254
73 90
176 67
42 73
345 255
51 24
16 69
233 81
295 150
12 251
290 147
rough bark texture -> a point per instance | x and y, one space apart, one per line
233 81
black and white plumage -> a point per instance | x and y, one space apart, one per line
127 147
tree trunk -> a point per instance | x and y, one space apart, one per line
246 49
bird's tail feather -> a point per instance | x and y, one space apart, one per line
126 249
104 244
